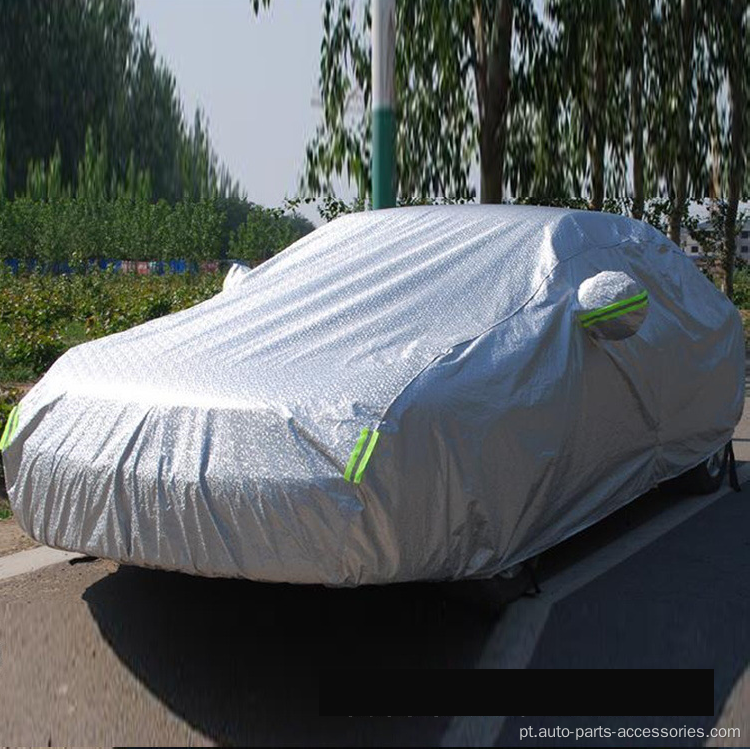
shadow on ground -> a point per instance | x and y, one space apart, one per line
682 602
239 660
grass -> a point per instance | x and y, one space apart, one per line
5 511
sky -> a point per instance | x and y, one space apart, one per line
255 78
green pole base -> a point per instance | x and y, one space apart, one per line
383 158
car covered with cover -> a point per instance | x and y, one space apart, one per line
436 392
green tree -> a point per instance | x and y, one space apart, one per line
591 62
3 167
455 60
728 32
637 17
682 86
555 111
63 64
67 66
684 94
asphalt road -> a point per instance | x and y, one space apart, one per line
96 654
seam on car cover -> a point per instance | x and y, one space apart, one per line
673 249
471 339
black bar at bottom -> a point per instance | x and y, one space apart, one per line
517 692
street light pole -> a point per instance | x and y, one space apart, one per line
383 116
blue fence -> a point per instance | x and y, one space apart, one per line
140 267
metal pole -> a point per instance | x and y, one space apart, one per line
383 117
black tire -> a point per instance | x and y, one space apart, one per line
490 596
706 477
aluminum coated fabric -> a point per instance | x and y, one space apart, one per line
216 440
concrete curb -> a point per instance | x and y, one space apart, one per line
30 560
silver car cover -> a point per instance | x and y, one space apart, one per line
402 394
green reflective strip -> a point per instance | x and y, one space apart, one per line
355 454
614 306
363 464
10 428
616 314
16 413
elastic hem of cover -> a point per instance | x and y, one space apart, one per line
10 428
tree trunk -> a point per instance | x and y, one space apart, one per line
738 98
636 103
679 192
598 140
492 42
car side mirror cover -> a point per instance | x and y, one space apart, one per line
612 305
236 276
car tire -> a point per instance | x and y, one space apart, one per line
490 596
706 477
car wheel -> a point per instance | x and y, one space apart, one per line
707 476
490 596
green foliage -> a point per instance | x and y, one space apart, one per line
265 232
3 168
717 238
114 303
117 219
43 315
606 99
742 288
76 230
438 128
68 65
